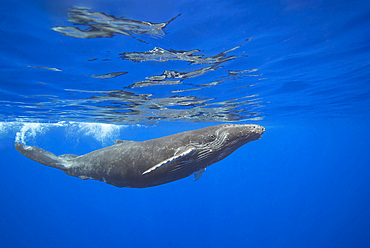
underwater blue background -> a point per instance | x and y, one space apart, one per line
305 183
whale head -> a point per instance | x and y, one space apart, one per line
217 142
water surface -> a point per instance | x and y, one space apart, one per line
76 75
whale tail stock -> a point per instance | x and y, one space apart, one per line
41 156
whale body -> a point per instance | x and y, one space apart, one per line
153 162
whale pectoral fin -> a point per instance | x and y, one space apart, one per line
184 154
199 173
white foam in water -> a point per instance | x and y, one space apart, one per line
4 127
28 130
103 133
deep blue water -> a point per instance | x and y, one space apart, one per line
299 68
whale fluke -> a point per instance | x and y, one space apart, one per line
44 157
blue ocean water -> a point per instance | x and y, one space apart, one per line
77 75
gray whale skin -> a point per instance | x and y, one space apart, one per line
152 162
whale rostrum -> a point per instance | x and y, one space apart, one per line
153 162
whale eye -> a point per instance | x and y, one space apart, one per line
212 136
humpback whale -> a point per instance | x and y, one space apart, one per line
153 162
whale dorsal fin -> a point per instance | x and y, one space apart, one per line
184 154
199 173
